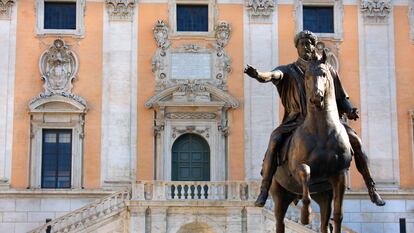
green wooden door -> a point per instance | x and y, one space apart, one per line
190 159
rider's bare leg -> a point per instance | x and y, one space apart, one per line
269 167
361 162
303 172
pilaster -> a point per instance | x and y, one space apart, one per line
378 90
8 19
119 93
261 103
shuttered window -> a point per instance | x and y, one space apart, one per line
318 19
60 15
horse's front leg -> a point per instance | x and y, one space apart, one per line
303 171
338 187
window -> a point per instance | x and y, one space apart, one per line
192 18
318 19
56 158
60 15
323 17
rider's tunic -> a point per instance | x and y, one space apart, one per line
291 89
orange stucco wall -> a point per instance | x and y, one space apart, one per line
404 57
349 73
28 84
233 14
287 50
148 16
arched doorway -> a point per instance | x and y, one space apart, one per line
190 158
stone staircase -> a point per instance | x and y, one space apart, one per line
81 219
117 212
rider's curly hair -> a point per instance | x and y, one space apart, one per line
305 34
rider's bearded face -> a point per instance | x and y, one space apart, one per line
306 49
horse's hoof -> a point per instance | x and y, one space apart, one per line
305 215
376 198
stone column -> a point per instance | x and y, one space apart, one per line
254 219
261 104
234 219
8 18
158 219
378 90
137 219
118 140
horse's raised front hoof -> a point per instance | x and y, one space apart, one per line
261 199
305 214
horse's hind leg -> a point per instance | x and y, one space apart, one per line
303 171
282 199
338 186
324 201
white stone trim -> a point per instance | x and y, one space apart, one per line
56 112
7 79
373 126
338 8
118 140
261 101
80 15
212 17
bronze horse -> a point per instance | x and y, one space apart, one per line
318 152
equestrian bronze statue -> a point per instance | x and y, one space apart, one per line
312 148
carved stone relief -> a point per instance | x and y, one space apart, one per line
120 9
260 7
177 131
331 54
59 67
167 73
376 11
6 8
190 115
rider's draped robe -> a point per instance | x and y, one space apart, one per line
291 88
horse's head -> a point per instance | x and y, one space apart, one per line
317 81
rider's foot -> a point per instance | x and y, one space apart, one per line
375 197
261 199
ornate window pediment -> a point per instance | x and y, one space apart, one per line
59 67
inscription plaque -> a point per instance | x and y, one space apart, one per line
191 65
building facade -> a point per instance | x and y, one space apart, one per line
135 116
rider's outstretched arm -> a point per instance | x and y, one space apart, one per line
274 75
